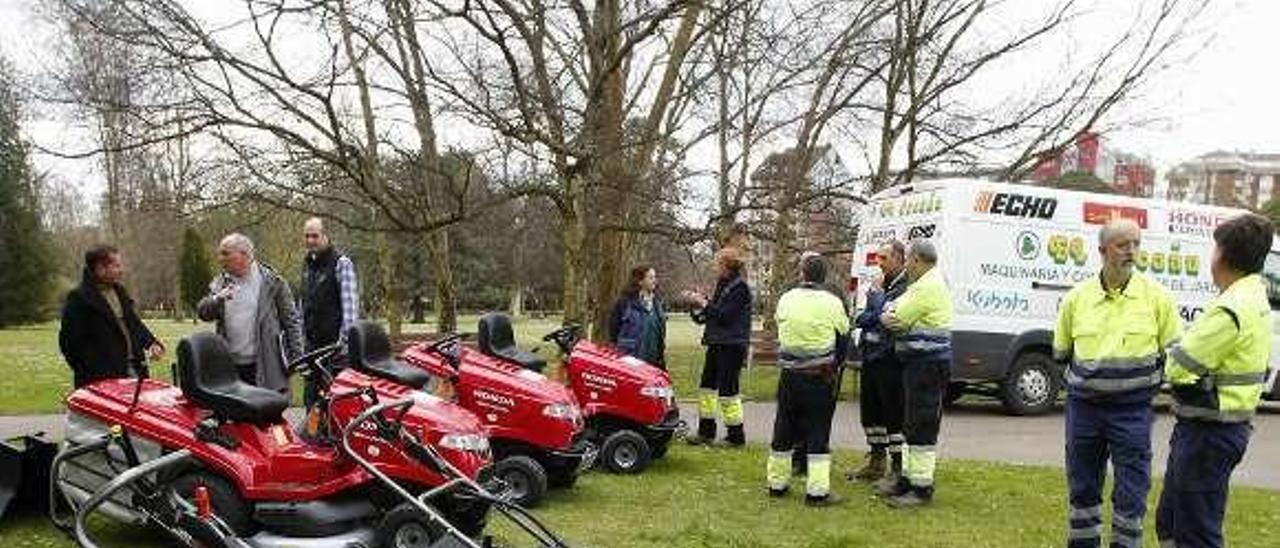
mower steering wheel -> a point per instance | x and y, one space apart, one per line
565 337
449 347
313 358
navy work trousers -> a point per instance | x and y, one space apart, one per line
1098 432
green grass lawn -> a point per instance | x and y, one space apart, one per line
701 497
36 379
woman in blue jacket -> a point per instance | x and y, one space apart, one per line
638 325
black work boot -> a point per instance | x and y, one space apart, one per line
872 470
736 437
892 487
914 497
706 433
892 476
829 499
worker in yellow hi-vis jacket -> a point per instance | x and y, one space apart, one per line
1217 371
813 336
921 322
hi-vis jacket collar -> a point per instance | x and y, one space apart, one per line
1133 288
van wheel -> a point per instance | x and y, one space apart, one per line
1031 387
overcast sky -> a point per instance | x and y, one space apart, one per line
1224 98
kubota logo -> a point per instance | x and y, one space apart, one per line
1015 205
499 399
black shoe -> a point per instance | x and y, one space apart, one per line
830 499
736 436
913 498
892 486
779 493
706 433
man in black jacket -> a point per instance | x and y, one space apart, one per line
330 298
101 335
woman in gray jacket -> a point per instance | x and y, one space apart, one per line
254 310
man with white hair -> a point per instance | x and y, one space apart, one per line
253 308
921 324
1110 332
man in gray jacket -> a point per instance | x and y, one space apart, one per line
254 310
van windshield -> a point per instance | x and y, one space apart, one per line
1271 274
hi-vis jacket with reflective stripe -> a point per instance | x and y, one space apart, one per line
809 319
1114 338
925 312
1217 370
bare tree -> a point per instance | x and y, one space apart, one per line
556 78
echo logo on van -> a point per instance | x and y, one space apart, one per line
1015 205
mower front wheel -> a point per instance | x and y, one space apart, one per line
526 478
405 526
625 452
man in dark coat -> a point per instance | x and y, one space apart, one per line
101 335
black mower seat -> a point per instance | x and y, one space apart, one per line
209 378
369 351
496 339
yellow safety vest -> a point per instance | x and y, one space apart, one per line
1114 338
925 309
1218 369
809 319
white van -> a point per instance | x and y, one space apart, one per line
1010 252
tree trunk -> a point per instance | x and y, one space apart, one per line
442 274
575 235
516 308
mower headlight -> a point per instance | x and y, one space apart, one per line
659 392
564 411
475 443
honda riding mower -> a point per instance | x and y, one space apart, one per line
535 427
629 405
215 464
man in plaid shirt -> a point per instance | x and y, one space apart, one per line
330 297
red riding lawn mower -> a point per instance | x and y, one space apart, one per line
215 464
534 424
629 405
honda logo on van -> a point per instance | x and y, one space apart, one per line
1015 205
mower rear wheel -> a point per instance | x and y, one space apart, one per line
625 452
526 478
224 499
405 526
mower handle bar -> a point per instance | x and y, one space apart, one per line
119 482
522 518
430 512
